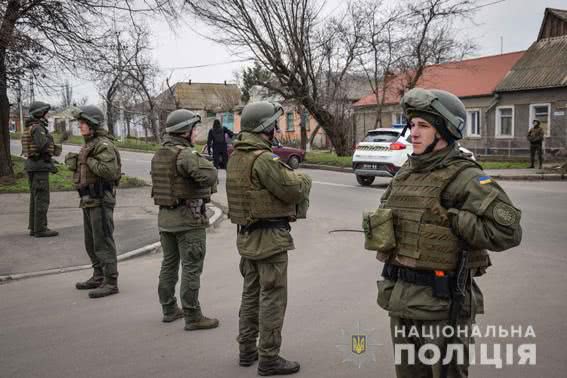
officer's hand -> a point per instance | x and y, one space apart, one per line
72 160
441 212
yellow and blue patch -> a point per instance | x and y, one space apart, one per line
275 157
484 180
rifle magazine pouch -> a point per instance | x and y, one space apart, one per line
378 229
264 205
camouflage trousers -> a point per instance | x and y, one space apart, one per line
536 149
39 200
99 240
406 369
187 248
264 301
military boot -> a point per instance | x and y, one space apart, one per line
108 287
194 323
47 233
173 316
248 358
92 283
277 366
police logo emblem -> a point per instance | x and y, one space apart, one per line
505 214
358 344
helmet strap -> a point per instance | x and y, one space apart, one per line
431 147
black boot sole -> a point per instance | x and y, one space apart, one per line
277 372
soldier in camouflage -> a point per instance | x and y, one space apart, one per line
97 171
264 195
183 182
446 214
39 148
535 137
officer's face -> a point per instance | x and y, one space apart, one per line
422 135
84 128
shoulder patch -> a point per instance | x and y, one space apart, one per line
275 157
484 180
505 214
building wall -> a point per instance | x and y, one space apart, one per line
488 142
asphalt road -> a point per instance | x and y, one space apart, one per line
51 330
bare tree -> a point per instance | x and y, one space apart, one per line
44 37
66 95
309 56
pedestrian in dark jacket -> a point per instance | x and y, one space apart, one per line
216 143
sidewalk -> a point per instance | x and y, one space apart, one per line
135 227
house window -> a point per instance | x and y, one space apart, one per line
289 122
505 121
473 123
227 120
541 113
399 119
305 120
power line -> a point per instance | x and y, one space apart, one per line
209 64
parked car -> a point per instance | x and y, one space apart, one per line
290 155
382 153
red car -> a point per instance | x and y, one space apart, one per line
292 156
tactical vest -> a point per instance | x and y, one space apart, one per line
29 148
168 186
246 204
218 135
83 175
424 239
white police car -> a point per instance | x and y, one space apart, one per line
382 153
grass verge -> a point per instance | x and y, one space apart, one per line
58 182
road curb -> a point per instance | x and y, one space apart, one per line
326 167
145 250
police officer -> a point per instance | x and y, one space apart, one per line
216 142
264 195
535 137
182 183
97 171
446 214
39 148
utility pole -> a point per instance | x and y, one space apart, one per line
20 110
120 101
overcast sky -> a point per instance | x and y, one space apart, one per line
516 21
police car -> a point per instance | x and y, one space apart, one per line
382 152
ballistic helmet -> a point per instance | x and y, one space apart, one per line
91 114
39 108
260 117
180 121
442 109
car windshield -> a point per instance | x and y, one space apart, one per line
382 136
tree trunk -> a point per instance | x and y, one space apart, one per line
303 129
6 30
109 117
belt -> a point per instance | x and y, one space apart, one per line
440 281
264 224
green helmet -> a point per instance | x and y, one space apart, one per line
39 108
436 104
180 121
260 117
92 115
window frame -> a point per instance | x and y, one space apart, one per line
395 116
287 123
532 117
469 123
498 123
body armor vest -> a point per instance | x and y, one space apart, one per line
83 175
424 239
168 187
29 148
247 204
218 135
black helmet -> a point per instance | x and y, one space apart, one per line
180 121
437 104
260 117
91 114
38 109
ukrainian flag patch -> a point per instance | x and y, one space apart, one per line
275 157
484 180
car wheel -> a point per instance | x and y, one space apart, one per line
293 162
365 180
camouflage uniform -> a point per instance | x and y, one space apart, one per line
264 260
38 166
535 137
97 168
182 234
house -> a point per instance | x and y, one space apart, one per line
503 94
209 100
